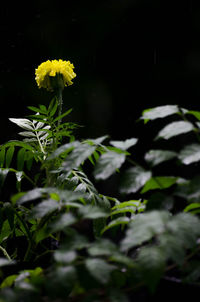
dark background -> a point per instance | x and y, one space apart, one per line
129 55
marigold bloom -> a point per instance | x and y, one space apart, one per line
49 69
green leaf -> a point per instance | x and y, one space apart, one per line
133 179
174 129
160 182
16 143
190 154
5 231
194 113
144 227
151 262
159 112
99 269
20 159
78 155
129 206
2 157
62 222
8 281
192 207
124 145
93 212
44 208
35 109
108 163
62 115
9 156
116 222
31 195
96 141
155 157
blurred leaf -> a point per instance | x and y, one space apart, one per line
155 157
8 281
61 222
174 129
31 195
99 269
159 182
143 228
108 163
65 256
93 212
192 207
159 112
3 174
102 247
97 141
4 262
44 208
124 145
151 262
133 179
190 154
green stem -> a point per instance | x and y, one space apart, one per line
60 104
5 253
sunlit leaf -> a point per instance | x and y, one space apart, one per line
190 154
134 179
124 145
159 112
174 129
155 157
108 163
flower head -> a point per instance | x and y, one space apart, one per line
48 71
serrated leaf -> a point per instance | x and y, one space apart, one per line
22 122
174 129
133 179
159 112
155 157
160 182
144 227
116 222
124 145
190 154
77 156
97 141
108 163
99 269
27 134
63 149
62 115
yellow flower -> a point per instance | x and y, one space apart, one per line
48 71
